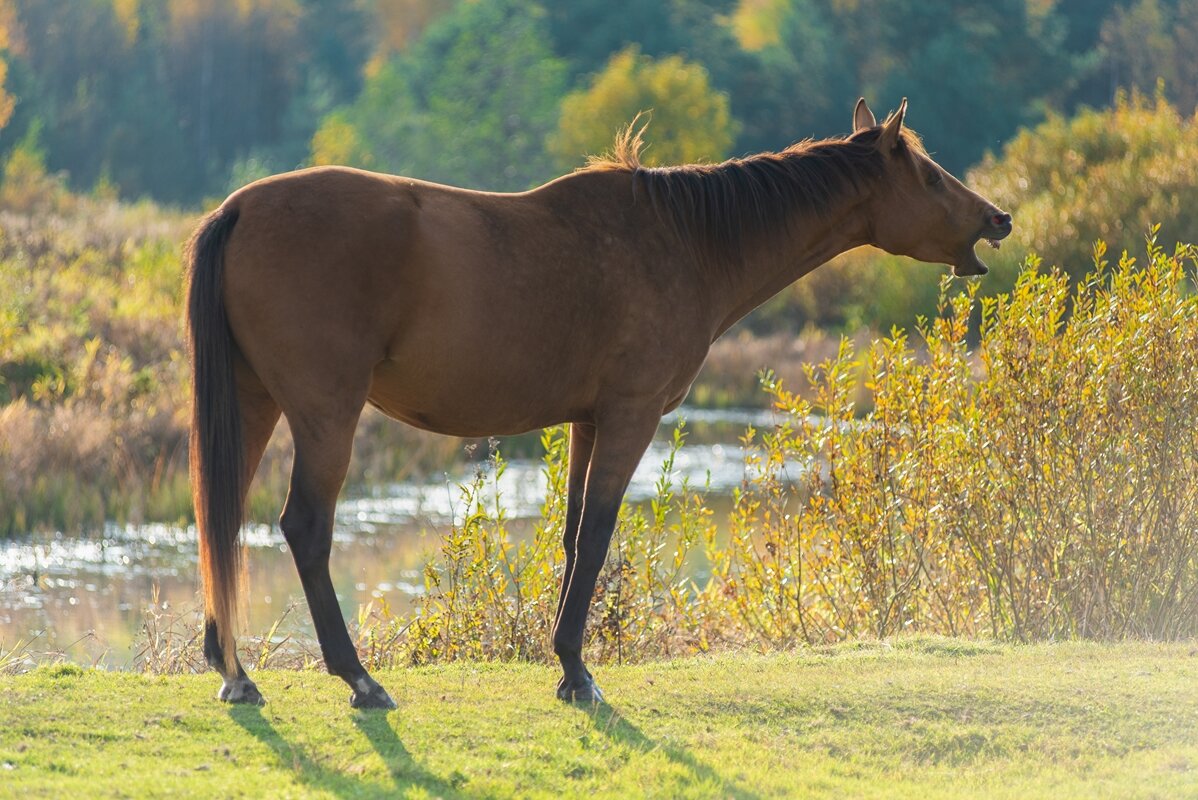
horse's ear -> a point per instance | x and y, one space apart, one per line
888 142
862 117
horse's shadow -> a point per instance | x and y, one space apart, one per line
612 724
405 773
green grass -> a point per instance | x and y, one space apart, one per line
921 718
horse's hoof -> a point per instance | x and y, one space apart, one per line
368 694
241 690
584 691
376 698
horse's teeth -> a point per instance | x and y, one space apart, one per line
994 243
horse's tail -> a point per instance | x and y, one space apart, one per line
217 454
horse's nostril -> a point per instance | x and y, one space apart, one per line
1001 219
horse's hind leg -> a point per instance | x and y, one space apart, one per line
259 414
322 450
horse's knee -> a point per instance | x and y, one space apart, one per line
592 550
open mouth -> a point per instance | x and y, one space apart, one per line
969 264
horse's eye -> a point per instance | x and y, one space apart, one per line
934 179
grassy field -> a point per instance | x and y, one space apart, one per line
918 718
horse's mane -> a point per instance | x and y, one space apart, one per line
721 205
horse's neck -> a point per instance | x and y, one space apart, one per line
770 266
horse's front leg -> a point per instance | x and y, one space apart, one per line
619 443
582 444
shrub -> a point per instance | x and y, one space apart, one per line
1107 174
1041 486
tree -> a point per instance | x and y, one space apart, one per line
1154 40
690 121
469 104
975 73
587 33
797 79
232 74
1107 174
159 97
8 33
401 22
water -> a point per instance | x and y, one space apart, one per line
88 597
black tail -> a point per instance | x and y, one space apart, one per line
217 454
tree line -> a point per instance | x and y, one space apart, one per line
182 100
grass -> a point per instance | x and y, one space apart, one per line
919 718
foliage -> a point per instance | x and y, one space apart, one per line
588 33
1050 496
470 104
690 122
491 593
912 717
1103 174
161 97
180 99
1148 41
90 353
401 22
794 75
1015 66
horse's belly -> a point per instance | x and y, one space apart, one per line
464 403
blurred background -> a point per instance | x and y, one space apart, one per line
123 120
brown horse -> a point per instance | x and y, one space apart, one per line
591 300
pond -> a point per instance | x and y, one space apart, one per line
87 597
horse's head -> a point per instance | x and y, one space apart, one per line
918 209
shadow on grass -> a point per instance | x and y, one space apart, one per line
404 772
612 724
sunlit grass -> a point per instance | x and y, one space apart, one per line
921 718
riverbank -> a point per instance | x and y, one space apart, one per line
919 717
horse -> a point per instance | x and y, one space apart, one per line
591 300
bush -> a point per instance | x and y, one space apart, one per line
1042 486
1106 174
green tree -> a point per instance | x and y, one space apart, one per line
1108 174
796 80
979 72
469 104
587 33
690 120
401 22
66 71
112 84
1154 40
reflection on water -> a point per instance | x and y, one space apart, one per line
88 596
